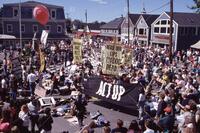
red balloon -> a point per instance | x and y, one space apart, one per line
41 14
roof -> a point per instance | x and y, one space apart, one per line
196 45
149 18
134 18
94 26
32 4
114 24
182 18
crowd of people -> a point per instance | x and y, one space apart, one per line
168 100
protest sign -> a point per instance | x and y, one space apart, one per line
77 51
112 59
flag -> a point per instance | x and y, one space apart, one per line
44 37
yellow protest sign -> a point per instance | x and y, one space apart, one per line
77 51
42 61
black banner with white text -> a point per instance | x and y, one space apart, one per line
125 95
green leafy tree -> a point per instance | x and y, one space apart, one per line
196 6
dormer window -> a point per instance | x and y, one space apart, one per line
15 12
53 14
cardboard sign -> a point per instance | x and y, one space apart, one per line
112 59
77 51
47 101
41 92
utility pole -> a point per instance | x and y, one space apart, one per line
128 22
20 25
86 24
171 30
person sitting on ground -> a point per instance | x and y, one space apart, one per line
148 126
134 127
106 129
89 128
46 121
119 128
5 125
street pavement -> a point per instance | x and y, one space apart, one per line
71 125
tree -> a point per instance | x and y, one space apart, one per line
196 6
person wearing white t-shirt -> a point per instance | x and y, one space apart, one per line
31 80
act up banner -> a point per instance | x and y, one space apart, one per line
124 95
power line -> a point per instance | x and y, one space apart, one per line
164 5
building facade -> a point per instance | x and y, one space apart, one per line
29 26
143 28
133 18
111 30
186 30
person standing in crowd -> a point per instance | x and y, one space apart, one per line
34 108
3 88
80 109
31 78
55 85
46 121
5 66
161 106
134 127
24 116
119 128
13 87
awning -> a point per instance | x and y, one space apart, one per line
196 45
109 35
4 36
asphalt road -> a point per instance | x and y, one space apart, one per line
62 124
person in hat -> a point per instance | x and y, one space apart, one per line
167 122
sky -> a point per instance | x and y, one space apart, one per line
106 10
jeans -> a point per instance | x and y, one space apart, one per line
32 87
13 95
34 121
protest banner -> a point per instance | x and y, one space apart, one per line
77 51
42 61
125 94
44 37
127 57
112 59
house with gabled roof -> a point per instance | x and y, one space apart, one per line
112 29
143 28
133 18
186 30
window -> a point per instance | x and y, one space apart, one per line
53 14
15 12
23 28
163 22
158 23
163 30
35 28
59 28
156 30
48 27
192 31
9 28
141 31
